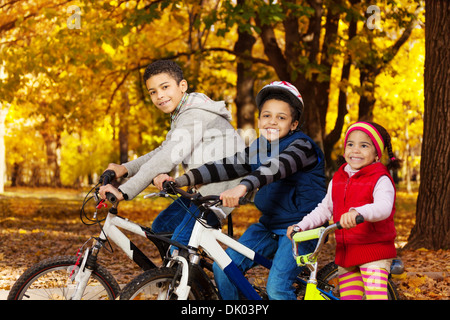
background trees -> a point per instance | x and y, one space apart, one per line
69 78
72 96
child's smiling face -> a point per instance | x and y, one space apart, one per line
275 120
165 92
359 150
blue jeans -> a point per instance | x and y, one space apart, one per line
168 219
284 269
178 218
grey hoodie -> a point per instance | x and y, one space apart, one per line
199 134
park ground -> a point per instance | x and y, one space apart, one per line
36 223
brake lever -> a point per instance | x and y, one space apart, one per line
157 194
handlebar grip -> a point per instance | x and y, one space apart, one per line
358 219
169 186
294 231
111 198
243 201
107 177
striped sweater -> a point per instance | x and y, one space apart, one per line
299 155
288 173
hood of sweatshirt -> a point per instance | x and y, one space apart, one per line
203 102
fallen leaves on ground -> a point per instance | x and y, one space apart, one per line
39 223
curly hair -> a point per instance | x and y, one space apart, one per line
164 66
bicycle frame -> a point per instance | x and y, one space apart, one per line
111 231
310 260
209 239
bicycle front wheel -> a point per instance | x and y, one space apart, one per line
328 279
50 279
157 284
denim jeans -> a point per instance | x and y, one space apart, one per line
171 217
179 218
284 268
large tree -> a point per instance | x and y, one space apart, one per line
432 228
303 40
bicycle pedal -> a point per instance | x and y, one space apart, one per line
397 266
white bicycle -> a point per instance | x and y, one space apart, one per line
81 276
183 276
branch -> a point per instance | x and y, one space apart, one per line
273 51
11 24
398 44
115 91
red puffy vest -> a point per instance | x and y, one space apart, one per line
369 241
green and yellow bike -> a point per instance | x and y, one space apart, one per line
323 284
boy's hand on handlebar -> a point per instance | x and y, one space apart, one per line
348 219
119 169
230 198
109 188
160 179
169 186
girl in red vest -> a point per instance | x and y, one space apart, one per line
361 186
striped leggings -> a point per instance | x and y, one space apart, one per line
370 281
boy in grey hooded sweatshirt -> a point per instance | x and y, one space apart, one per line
200 132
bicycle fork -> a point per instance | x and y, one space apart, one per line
183 289
85 270
312 292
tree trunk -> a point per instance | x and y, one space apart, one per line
3 113
432 228
367 98
123 128
335 134
245 104
52 146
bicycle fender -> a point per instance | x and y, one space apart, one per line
200 279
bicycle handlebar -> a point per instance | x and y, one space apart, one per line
171 187
106 178
358 219
320 233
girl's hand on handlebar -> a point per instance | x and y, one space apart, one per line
348 219
109 188
230 198
160 179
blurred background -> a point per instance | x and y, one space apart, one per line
73 99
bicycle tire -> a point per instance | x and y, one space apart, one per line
47 280
156 284
328 279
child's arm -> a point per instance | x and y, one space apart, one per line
230 198
298 156
226 169
383 202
